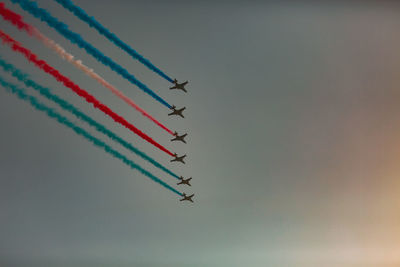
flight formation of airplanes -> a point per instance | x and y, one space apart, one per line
41 13
178 112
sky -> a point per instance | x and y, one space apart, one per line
293 139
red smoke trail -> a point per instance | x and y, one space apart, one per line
79 91
15 19
18 21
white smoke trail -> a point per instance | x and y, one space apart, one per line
90 72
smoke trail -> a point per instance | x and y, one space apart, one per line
17 21
79 91
23 77
15 18
92 22
80 131
75 38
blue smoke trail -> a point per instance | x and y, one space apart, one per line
20 93
23 77
80 13
75 38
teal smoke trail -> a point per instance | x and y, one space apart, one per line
20 93
75 38
23 77
92 22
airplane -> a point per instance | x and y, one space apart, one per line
187 198
179 138
179 86
183 181
178 158
177 111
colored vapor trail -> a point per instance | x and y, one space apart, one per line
21 94
92 22
79 91
23 77
75 38
17 21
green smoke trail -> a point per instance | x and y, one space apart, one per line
23 77
21 94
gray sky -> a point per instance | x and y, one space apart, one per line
292 115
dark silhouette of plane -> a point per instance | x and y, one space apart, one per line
179 86
187 198
177 111
179 137
183 181
180 159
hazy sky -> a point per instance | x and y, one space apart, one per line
293 118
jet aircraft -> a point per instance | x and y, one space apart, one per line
187 198
184 181
179 137
179 86
180 159
177 111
